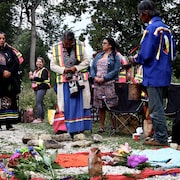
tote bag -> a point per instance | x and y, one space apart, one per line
59 125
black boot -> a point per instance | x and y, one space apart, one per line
9 127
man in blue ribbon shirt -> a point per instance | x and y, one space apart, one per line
156 53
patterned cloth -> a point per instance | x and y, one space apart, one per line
9 116
76 117
107 89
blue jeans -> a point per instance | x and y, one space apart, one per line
157 113
39 102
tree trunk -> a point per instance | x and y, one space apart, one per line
33 40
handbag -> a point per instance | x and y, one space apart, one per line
59 125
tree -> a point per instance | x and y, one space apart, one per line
42 20
118 19
23 44
6 14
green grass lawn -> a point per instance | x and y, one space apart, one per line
27 99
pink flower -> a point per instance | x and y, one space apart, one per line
125 148
135 160
15 155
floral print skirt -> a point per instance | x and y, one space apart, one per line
107 91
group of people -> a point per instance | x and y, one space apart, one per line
70 63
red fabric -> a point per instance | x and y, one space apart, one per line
4 156
13 178
144 174
59 123
81 159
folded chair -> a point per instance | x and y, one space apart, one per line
127 113
94 110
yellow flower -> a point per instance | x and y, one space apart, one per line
41 143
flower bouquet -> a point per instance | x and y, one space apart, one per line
124 157
120 156
27 160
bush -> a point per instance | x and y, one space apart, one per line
27 98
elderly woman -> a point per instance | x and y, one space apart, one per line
104 71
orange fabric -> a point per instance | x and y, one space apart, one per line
74 160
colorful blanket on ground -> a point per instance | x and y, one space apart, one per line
157 157
164 157
144 174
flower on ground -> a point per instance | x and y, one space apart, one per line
135 160
125 148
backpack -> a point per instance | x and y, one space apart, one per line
27 116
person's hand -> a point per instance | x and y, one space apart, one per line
67 70
6 74
132 60
70 70
30 75
99 80
73 69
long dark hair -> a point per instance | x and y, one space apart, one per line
148 5
113 44
69 35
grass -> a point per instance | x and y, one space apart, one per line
27 99
113 141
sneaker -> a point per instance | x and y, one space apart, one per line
37 121
153 142
101 130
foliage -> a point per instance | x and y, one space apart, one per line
120 20
27 98
22 43
29 159
116 18
6 20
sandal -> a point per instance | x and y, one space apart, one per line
101 130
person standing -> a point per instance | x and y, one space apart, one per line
10 84
104 71
156 53
70 63
40 83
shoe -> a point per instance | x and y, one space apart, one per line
153 142
101 130
36 121
10 127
